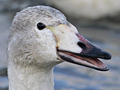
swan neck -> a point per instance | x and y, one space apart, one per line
30 78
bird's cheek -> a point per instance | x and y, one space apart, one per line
66 38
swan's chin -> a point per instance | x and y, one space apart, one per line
90 62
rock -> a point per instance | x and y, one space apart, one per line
90 9
78 9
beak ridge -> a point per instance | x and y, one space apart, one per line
91 51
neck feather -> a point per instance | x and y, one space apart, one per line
30 78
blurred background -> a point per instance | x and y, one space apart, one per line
97 20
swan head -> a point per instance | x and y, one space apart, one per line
41 36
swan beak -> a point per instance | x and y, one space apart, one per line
74 48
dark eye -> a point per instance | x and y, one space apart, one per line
40 26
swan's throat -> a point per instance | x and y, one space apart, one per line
30 78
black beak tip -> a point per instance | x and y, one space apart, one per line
106 55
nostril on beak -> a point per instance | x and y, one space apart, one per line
82 45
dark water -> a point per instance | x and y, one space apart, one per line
105 35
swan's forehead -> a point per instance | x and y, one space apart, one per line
47 15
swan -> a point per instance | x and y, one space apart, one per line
40 38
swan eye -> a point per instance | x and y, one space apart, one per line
40 26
